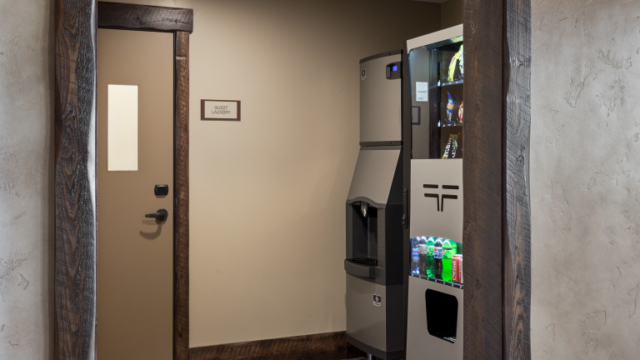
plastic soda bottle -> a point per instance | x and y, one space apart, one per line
415 256
430 259
449 249
437 256
422 246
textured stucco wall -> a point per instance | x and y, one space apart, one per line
26 184
585 179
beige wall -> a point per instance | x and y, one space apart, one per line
451 13
268 193
585 171
26 179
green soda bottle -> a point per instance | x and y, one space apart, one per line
449 248
430 260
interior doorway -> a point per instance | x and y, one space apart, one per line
500 302
78 140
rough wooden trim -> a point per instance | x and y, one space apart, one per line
483 179
497 207
181 199
327 346
517 242
75 180
143 17
76 26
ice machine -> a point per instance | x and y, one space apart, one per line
375 215
434 151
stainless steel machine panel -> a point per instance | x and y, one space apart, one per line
420 344
380 101
435 37
366 322
434 210
374 174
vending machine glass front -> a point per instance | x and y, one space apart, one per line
437 104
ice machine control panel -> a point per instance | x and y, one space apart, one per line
394 71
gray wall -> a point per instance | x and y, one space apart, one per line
26 183
585 179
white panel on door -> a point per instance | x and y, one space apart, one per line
122 125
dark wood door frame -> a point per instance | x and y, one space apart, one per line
497 219
75 166
497 207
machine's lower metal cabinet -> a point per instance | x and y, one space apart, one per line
375 317
431 340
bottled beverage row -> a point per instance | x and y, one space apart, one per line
436 258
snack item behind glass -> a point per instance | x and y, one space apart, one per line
456 67
451 148
450 106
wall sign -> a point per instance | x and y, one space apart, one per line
220 110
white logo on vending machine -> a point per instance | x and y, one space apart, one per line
377 300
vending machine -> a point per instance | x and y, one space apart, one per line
434 152
374 215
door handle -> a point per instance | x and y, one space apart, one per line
160 215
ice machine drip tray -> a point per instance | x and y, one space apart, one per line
363 268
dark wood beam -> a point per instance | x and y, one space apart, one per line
483 179
517 237
181 199
142 17
497 227
75 175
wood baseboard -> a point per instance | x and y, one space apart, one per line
329 346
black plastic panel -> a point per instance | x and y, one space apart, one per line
360 269
442 315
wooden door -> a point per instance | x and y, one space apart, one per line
135 153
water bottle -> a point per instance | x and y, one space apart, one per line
415 257
430 260
437 256
449 249
422 249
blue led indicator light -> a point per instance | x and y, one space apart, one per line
394 68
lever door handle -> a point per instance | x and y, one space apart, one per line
160 215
